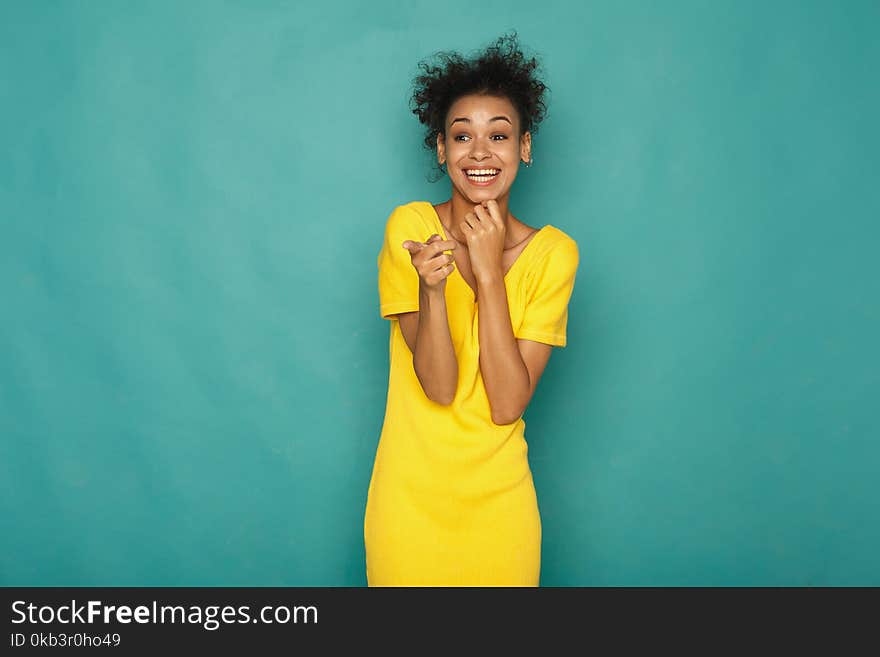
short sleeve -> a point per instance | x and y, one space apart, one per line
545 318
398 279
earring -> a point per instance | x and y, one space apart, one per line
530 162
443 167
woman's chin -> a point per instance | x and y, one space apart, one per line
477 195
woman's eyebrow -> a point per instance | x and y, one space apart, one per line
494 118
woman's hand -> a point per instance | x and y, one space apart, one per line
485 233
430 262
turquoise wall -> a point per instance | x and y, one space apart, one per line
192 363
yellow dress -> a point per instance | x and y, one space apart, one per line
451 500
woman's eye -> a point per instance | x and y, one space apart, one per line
458 137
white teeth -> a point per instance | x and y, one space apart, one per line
481 172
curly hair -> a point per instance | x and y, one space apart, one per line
500 70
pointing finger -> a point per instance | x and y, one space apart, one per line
443 245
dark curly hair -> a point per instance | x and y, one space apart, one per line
500 70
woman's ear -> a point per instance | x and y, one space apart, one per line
525 146
441 148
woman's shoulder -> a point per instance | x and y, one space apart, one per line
411 214
413 207
556 243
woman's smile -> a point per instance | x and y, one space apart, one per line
482 177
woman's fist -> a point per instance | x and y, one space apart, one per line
484 231
430 261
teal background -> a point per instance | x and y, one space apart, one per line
193 367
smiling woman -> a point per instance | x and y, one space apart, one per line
477 299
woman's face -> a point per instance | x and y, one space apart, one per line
477 140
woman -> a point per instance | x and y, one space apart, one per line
477 300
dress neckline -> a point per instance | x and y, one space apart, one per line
516 260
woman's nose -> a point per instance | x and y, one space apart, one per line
479 147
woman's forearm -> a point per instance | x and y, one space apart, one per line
505 375
434 358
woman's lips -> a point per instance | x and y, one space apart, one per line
483 181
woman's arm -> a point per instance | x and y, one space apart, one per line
426 331
511 368
427 335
